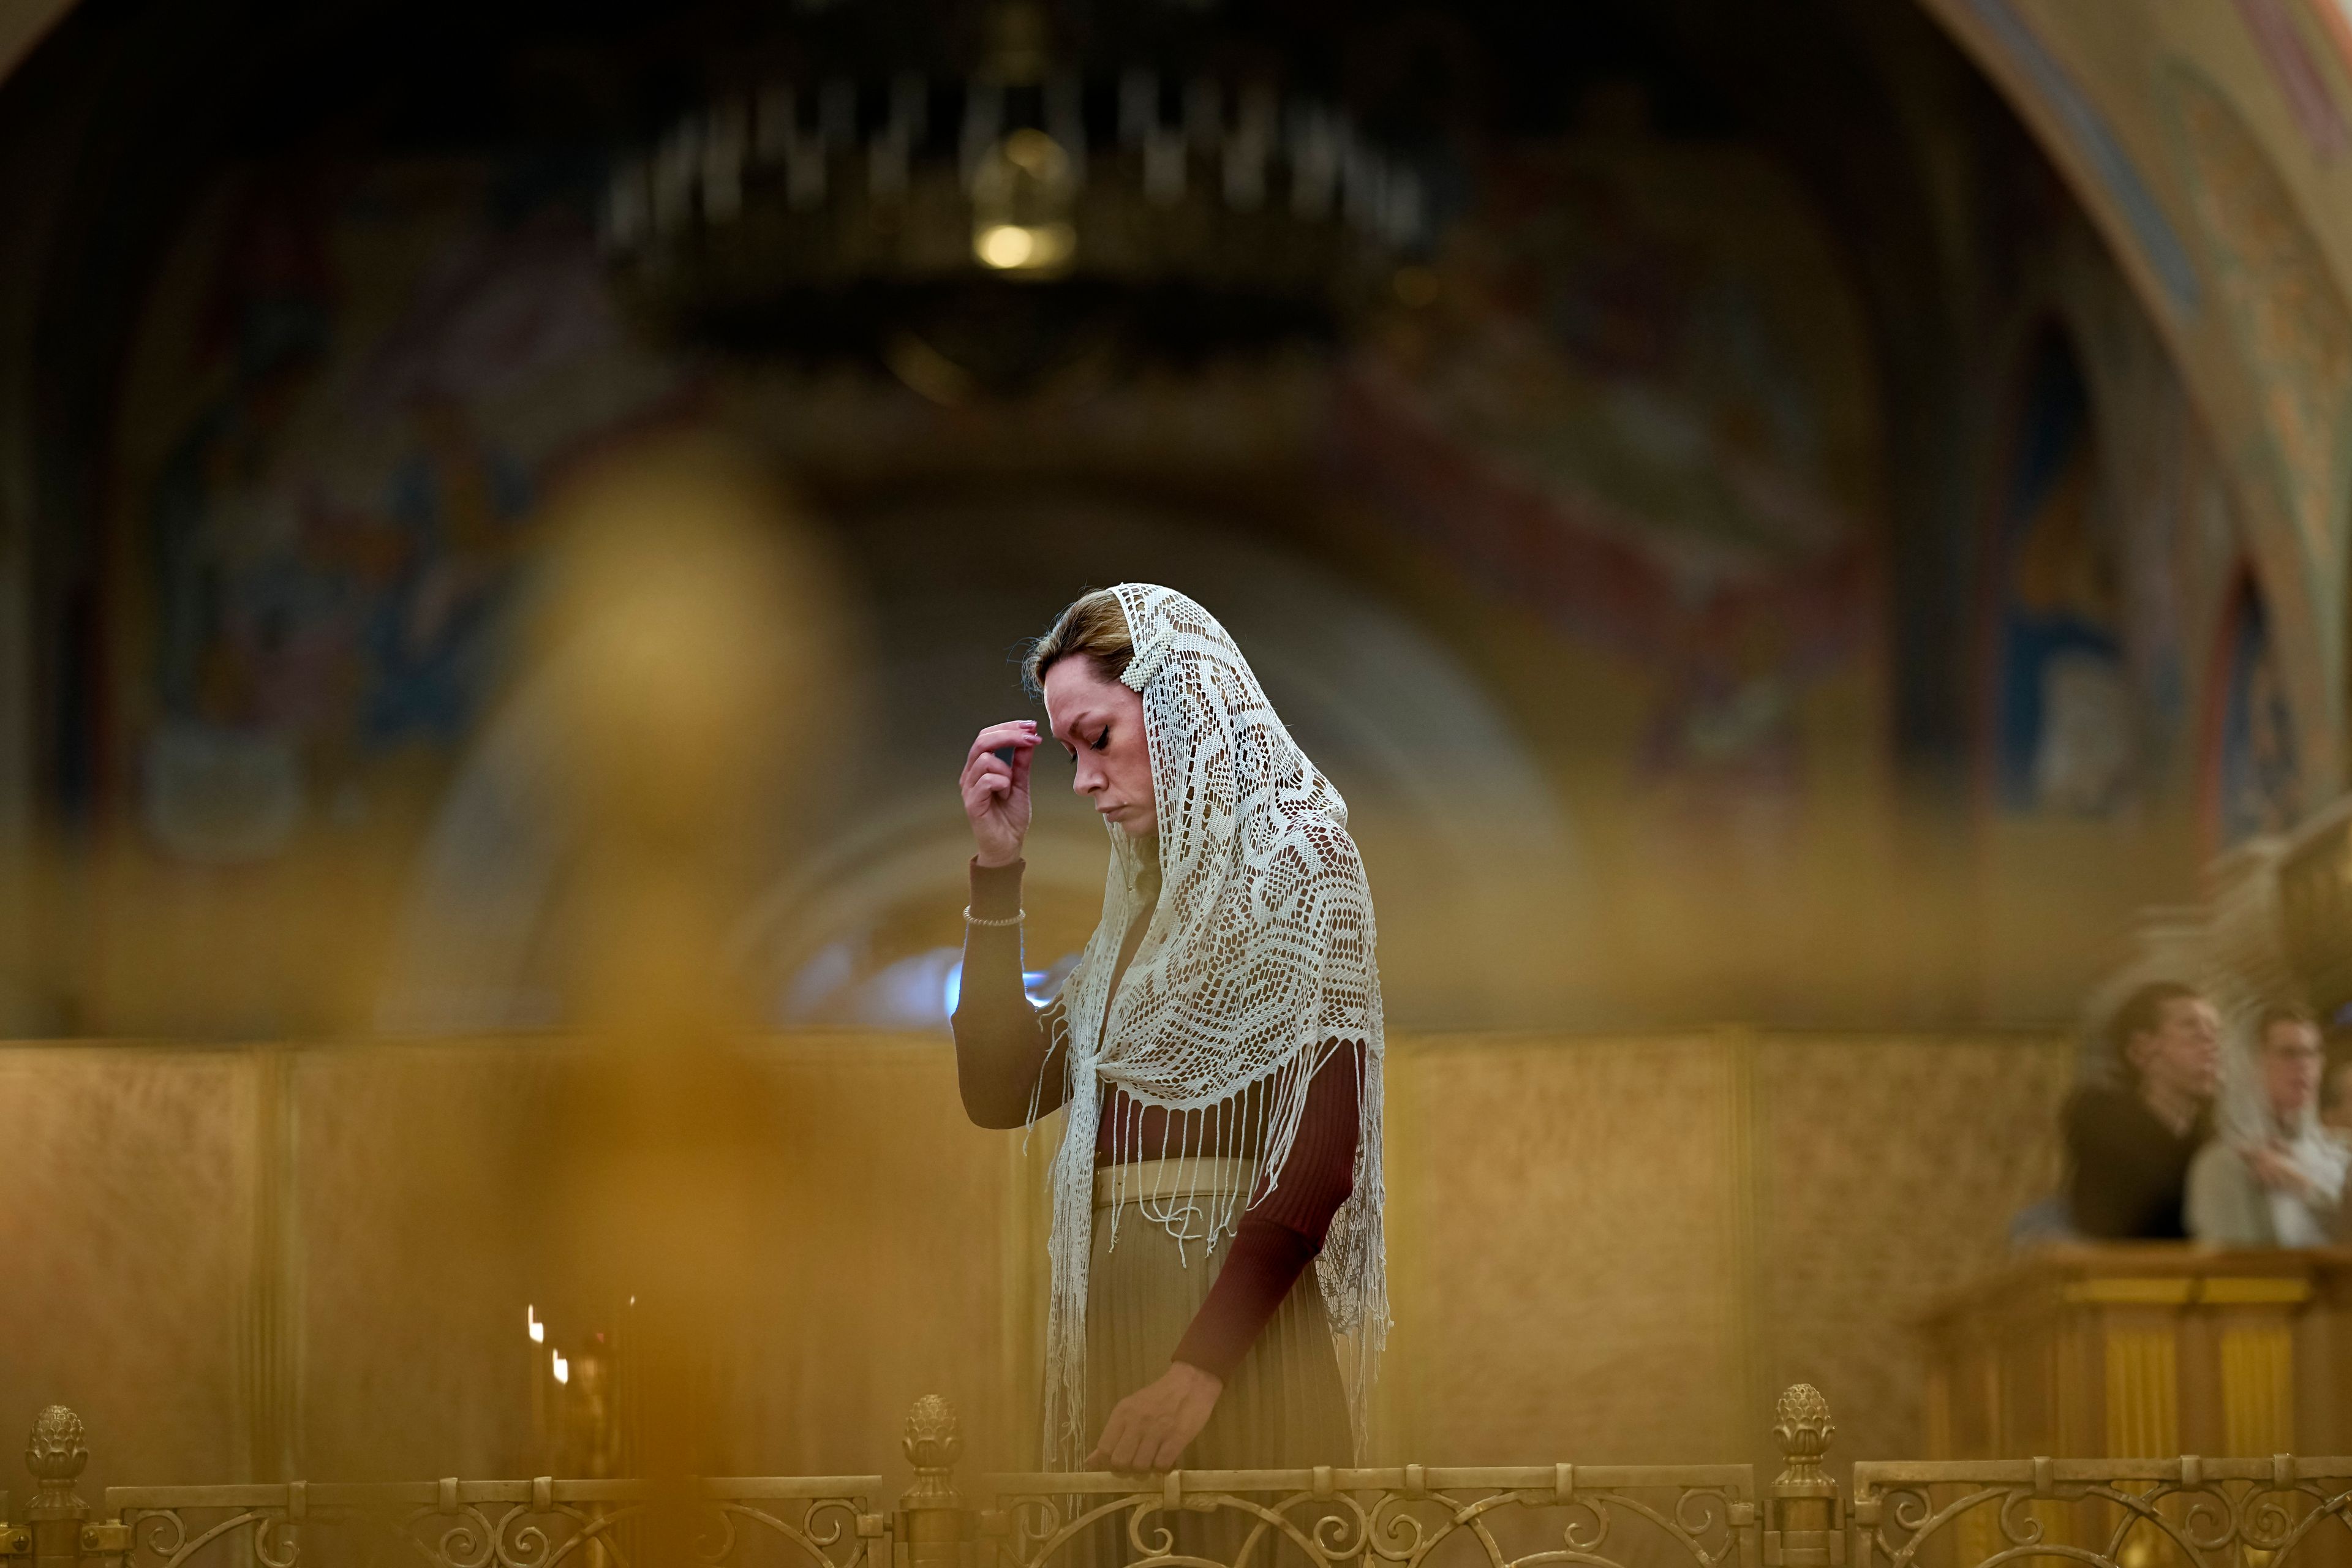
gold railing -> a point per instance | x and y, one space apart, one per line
2281 1512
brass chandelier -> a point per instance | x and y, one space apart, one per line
1172 211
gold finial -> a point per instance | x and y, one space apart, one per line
56 1454
934 1442
1804 1431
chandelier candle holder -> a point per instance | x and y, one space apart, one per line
812 213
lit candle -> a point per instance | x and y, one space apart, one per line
537 1331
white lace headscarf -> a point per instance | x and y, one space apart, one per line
1257 960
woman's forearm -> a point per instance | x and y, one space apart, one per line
1282 1231
1004 1047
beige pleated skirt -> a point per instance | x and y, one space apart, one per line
1283 1406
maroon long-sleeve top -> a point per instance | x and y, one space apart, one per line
1011 1070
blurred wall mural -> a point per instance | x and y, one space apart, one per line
343 413
1630 394
2064 719
2254 784
1750 500
1629 400
1641 406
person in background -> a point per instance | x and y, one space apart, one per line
2276 1178
2129 1145
2336 1101
2336 1119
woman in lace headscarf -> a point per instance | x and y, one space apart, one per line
1217 1051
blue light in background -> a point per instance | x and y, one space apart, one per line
1035 983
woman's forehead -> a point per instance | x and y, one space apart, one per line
1080 695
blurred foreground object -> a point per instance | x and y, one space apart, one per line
687 635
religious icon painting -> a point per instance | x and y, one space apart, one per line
2060 714
2253 753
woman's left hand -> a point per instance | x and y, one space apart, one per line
1149 1429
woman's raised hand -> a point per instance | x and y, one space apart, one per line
996 793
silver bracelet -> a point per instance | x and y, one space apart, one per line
970 919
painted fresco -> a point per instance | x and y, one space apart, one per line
2255 757
1639 402
354 393
2296 73
2284 307
2064 733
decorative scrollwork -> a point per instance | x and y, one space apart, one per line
2211 1513
162 1537
546 1531
1380 1526
824 1536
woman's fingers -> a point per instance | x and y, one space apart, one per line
1171 1449
986 766
1128 1453
1122 1443
1019 734
1100 1459
987 780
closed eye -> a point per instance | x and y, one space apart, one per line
1100 741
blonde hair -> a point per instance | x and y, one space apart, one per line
1093 626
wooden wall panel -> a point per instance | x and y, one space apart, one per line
123 1223
1603 1249
1886 1172
1566 1251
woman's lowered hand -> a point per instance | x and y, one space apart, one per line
1150 1428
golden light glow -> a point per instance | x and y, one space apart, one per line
1024 247
538 1329
562 1368
1023 193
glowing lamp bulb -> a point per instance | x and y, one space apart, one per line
1040 248
1006 246
562 1368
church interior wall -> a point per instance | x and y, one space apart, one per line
314 1271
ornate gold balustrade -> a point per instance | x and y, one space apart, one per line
2202 1512
2281 1512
